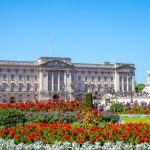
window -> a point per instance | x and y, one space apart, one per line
16 70
4 87
28 77
99 78
120 79
4 76
125 79
92 78
105 79
28 87
79 78
111 79
36 88
20 87
72 78
35 78
12 87
86 88
93 87
8 70
12 77
82 72
89 72
86 79
79 86
20 77
99 88
24 71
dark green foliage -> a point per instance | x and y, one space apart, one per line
117 107
89 100
109 117
51 117
139 87
10 117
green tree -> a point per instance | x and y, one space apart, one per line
89 100
139 87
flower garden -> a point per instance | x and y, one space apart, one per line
70 125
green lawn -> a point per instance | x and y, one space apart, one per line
136 120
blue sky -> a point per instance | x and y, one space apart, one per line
90 31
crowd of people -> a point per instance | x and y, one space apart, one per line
105 105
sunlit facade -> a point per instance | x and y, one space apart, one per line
51 78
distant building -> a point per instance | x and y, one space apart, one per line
58 78
146 90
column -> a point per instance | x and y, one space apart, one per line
46 81
58 81
65 79
127 84
41 80
52 81
133 83
116 81
122 84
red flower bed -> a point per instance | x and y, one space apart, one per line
49 133
41 106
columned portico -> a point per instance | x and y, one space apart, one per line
56 77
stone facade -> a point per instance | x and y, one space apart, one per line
58 78
147 86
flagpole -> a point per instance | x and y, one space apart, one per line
50 48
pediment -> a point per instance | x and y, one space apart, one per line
56 64
130 67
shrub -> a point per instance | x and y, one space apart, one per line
109 117
89 100
117 107
10 117
92 118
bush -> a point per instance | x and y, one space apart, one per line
117 107
109 117
10 117
89 100
92 118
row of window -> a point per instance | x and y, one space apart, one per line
12 76
17 70
19 88
92 87
95 72
125 79
94 79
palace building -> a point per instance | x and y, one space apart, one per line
51 78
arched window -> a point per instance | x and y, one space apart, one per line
4 87
20 87
28 87
36 87
99 87
12 87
